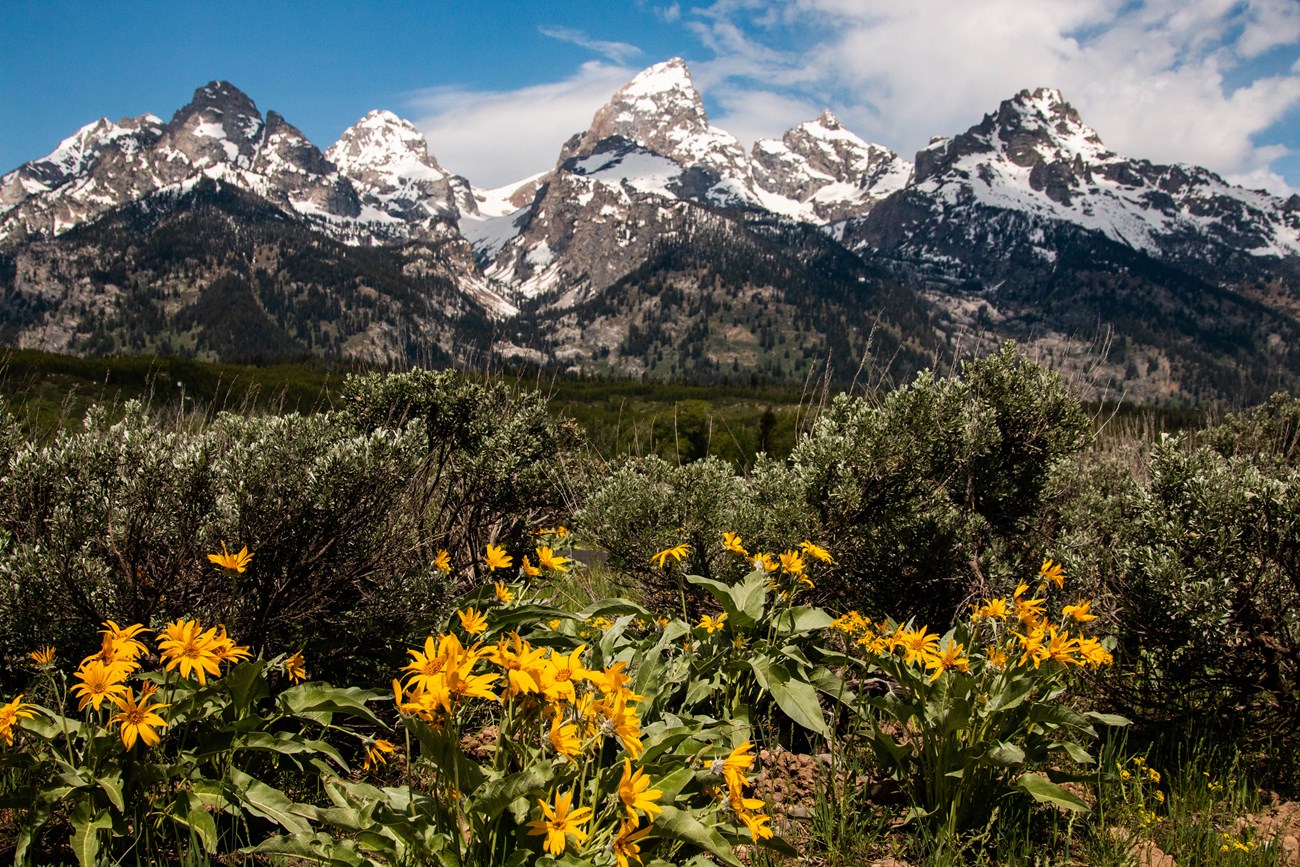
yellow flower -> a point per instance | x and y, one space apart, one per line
623 723
12 712
917 644
376 754
472 621
233 562
949 659
996 656
1028 611
1032 645
98 682
560 672
138 720
522 664
561 823
1052 573
496 558
548 559
731 542
185 644
757 824
564 736
1092 653
627 845
792 562
635 792
992 609
734 768
766 562
816 552
711 624
1062 648
1079 612
295 666
442 562
529 569
503 594
226 650
677 552
44 656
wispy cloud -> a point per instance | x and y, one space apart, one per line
495 137
1153 77
615 52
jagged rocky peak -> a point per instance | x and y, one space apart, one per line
219 125
822 164
77 154
382 141
661 110
388 161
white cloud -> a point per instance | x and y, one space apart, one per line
1151 78
616 52
495 137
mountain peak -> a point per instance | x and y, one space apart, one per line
221 96
828 120
661 110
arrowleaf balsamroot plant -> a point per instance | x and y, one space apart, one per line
606 736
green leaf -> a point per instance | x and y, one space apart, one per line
202 823
1045 791
681 825
802 618
245 684
615 605
1108 719
492 798
86 825
796 698
438 747
268 802
672 785
743 602
1007 755
111 782
288 744
1074 751
318 847
306 699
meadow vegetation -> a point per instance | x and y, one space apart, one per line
436 621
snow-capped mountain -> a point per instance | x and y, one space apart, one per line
830 172
1035 158
657 245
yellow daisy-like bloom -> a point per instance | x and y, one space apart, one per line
677 552
731 542
635 793
817 552
98 682
950 659
1079 611
560 672
1031 643
124 639
711 624
472 621
564 736
757 823
226 650
1053 573
561 823
548 559
1028 611
138 720
1061 647
442 562
917 644
766 562
992 609
996 656
613 680
529 569
496 558
627 845
521 662
622 722
792 562
233 562
185 645
735 767
10 714
296 667
377 753
1092 653
44 656
502 592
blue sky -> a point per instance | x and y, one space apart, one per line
497 86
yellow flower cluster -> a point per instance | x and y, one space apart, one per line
734 770
10 714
